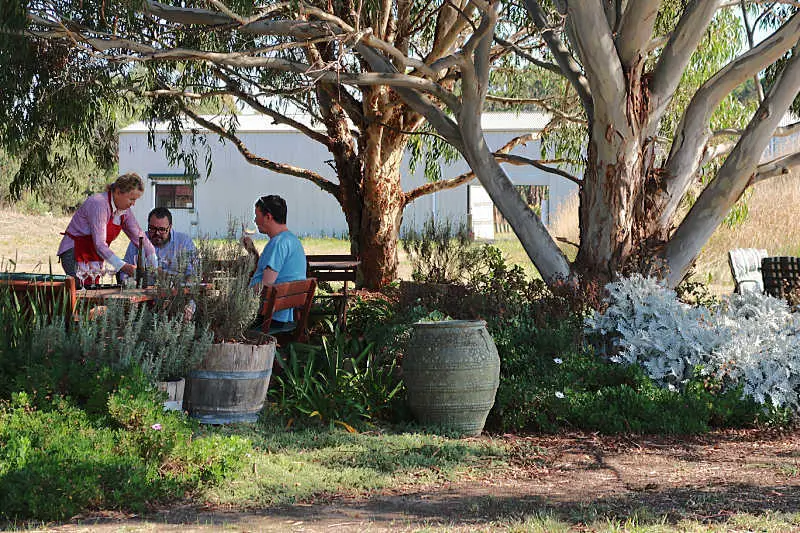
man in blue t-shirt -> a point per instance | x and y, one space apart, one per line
283 258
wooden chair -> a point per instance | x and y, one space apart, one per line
745 266
42 293
334 267
782 278
296 295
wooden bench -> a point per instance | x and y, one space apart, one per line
296 295
49 294
334 267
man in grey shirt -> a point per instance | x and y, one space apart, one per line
175 250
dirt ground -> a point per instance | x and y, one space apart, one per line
575 478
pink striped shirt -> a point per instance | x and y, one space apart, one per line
92 217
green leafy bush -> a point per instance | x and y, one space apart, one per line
582 391
341 381
548 380
441 252
56 463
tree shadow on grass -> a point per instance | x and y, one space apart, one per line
455 508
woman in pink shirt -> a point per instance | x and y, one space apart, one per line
98 221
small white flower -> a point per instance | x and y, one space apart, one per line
557 360
559 394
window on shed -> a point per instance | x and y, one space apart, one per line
174 196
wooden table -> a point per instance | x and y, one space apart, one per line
102 296
342 267
334 267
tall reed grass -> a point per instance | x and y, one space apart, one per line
772 223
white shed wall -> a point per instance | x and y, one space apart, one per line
234 185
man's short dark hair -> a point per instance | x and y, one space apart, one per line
160 212
274 205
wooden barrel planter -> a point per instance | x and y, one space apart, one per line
451 370
230 385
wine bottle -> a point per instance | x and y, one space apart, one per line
140 273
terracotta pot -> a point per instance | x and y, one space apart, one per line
451 370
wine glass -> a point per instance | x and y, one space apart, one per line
111 273
82 272
95 272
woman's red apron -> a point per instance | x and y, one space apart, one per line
85 250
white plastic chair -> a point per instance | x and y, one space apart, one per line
745 266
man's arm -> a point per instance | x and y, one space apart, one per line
269 277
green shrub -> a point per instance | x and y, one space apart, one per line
582 391
441 252
56 463
341 381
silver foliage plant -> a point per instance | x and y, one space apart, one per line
752 339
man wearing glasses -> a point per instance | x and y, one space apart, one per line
175 250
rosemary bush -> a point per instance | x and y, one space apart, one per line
442 252
230 309
163 347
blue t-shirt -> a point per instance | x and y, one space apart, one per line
285 255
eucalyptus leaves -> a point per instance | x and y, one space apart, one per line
751 340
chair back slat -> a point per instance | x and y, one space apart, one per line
296 295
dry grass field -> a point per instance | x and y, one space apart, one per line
28 243
773 223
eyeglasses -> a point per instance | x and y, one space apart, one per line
156 229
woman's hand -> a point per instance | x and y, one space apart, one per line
128 269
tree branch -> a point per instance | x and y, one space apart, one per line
538 102
692 133
569 67
418 102
636 28
520 160
598 54
278 118
437 186
676 54
552 67
777 167
785 131
258 161
735 175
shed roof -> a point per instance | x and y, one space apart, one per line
252 123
